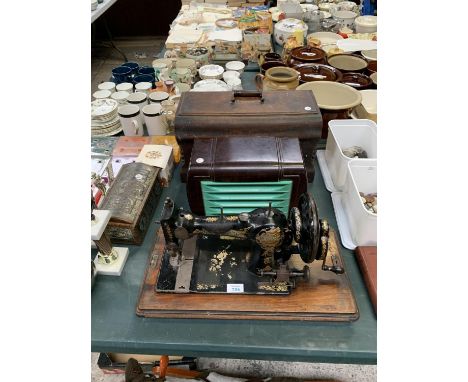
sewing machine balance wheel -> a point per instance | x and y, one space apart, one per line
309 238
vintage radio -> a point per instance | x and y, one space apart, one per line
288 114
132 200
240 174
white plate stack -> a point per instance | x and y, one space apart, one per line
104 118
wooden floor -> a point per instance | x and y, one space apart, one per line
104 58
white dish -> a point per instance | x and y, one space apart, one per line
211 85
107 86
368 107
370 55
103 107
102 94
213 72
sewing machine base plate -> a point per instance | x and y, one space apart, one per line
325 297
216 266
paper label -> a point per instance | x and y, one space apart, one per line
235 288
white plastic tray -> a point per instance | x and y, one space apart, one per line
324 170
342 221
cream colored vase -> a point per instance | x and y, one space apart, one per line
278 78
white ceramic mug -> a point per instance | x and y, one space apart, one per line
143 87
154 121
124 87
120 97
107 86
130 119
138 98
228 74
101 94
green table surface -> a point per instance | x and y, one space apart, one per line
116 328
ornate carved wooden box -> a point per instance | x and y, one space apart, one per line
132 200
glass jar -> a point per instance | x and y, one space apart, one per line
168 112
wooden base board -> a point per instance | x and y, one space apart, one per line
325 297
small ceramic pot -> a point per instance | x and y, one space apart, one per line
357 81
335 100
237 66
317 72
271 57
348 62
307 55
277 78
366 24
271 64
200 55
290 27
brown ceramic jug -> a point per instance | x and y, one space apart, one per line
278 78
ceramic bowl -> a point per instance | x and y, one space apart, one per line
211 72
348 62
229 74
107 86
102 94
317 72
327 39
307 55
372 67
211 85
237 66
345 17
366 24
369 55
358 81
373 77
367 109
336 100
271 64
125 87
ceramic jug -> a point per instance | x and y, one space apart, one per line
278 78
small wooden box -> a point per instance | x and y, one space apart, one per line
132 200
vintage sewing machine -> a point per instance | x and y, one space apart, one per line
248 253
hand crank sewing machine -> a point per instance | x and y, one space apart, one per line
244 253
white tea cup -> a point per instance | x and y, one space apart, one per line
107 86
228 74
138 98
124 87
120 97
101 94
130 119
143 87
154 120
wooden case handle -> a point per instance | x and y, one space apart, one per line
246 94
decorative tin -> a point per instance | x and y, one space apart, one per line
132 200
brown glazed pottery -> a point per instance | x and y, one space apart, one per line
277 78
270 64
317 72
271 56
358 81
335 100
348 62
372 67
307 55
